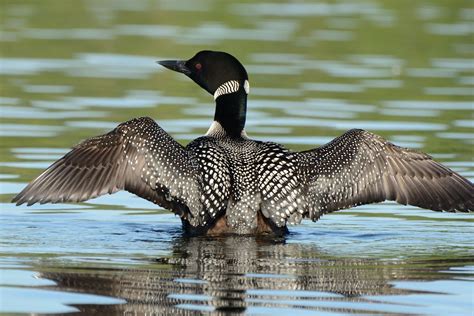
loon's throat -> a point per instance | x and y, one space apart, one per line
231 106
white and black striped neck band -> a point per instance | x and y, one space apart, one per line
230 86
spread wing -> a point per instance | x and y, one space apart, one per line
360 168
137 156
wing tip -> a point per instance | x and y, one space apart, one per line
18 199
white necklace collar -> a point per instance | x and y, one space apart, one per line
231 86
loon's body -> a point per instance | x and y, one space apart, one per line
225 182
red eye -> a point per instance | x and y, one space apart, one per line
198 66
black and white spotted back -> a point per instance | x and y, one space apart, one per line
263 178
214 174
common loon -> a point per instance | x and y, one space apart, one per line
225 182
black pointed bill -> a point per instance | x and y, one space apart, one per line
176 65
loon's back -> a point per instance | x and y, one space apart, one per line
252 185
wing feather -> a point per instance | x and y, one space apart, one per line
360 168
137 156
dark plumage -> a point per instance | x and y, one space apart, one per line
225 182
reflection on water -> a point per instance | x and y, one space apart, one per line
237 274
48 302
403 70
344 263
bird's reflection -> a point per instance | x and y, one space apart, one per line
235 273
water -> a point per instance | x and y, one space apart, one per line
404 71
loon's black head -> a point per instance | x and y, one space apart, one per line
216 72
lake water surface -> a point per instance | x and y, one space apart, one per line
72 70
